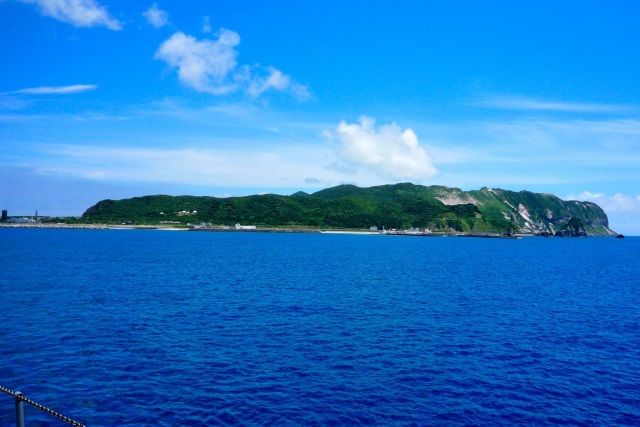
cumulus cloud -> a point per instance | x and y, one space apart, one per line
156 17
204 65
55 90
390 151
210 66
618 203
79 13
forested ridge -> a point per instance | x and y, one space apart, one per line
399 206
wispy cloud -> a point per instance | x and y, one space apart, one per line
569 136
276 167
392 152
223 143
54 90
530 104
210 66
524 153
277 80
156 17
79 13
14 101
206 25
618 203
622 210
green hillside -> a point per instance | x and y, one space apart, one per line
399 206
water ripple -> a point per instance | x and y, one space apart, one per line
150 329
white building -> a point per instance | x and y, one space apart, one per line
21 220
245 227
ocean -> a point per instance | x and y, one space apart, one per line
159 328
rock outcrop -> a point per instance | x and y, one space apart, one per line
573 228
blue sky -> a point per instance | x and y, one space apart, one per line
112 99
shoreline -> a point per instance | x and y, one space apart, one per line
262 230
90 227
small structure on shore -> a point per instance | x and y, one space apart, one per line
23 220
245 227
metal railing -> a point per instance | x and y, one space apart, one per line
20 398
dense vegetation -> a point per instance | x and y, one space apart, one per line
399 206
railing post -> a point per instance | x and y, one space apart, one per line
19 409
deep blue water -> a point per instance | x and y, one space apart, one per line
158 328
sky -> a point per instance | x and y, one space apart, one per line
110 99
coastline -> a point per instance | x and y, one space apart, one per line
61 226
262 230
90 227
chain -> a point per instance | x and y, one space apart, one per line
22 397
6 390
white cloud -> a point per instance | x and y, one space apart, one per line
55 90
523 103
393 153
79 13
207 65
205 161
593 142
618 203
276 80
277 167
13 101
622 210
156 17
210 66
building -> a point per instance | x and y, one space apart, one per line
245 227
21 220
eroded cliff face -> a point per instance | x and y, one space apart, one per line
534 212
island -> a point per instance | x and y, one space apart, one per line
385 208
